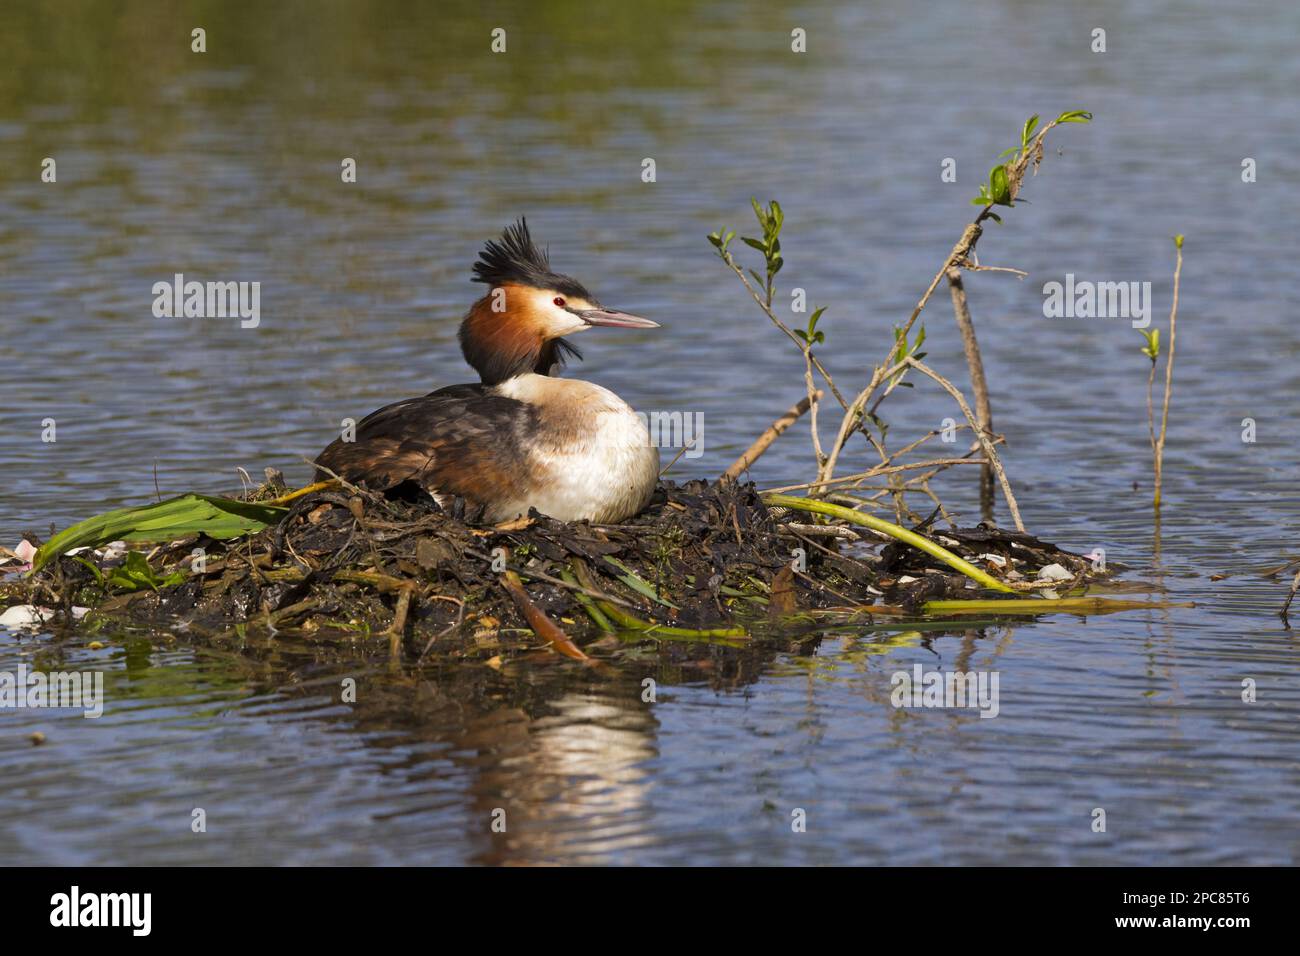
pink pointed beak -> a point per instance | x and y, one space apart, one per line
614 319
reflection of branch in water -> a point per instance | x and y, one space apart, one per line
1295 586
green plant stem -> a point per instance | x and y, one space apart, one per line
894 531
1095 605
1151 415
587 603
1169 373
633 623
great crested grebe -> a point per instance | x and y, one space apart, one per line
521 438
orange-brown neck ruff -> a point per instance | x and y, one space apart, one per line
504 345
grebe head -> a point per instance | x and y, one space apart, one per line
520 325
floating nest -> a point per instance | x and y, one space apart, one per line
356 571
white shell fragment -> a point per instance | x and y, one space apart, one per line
25 615
1054 572
29 615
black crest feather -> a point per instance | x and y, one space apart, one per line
516 258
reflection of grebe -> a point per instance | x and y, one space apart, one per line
574 785
521 438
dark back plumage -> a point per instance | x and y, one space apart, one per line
516 258
460 440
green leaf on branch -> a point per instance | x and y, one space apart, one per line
1152 349
1000 185
1028 131
902 350
810 335
721 240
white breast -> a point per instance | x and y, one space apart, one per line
593 458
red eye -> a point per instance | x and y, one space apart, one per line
559 301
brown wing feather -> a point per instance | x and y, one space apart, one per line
462 440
